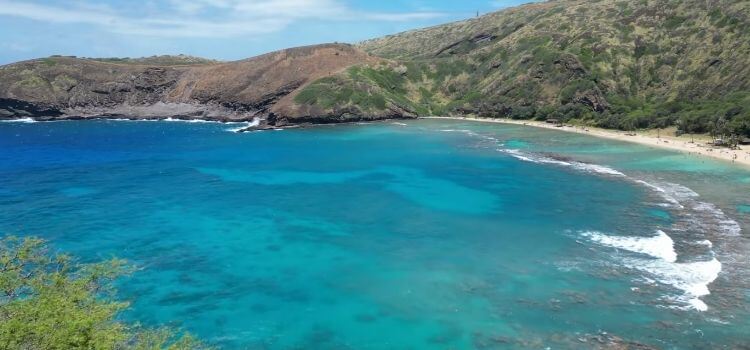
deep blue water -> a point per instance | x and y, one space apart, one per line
428 234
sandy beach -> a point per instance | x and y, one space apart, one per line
699 148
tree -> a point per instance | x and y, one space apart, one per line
719 127
50 302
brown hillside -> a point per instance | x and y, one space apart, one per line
66 87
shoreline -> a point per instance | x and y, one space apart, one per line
739 157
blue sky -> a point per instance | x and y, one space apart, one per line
219 29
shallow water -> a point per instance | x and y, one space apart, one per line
428 234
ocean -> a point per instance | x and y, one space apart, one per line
428 234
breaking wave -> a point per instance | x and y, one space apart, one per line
245 125
656 257
660 246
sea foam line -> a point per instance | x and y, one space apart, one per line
703 215
19 120
587 167
493 140
675 195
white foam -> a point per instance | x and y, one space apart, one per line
599 169
238 129
674 194
660 246
691 278
400 124
190 120
705 216
727 225
20 120
245 125
519 155
131 120
170 119
490 139
700 215
661 192
464 131
677 191
539 159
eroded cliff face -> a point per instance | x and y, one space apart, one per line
72 88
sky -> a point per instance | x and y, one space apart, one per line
217 29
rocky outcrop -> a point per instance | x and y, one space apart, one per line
74 88
12 108
593 99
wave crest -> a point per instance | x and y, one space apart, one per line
691 278
660 246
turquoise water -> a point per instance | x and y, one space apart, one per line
419 235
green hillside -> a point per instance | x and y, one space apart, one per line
615 64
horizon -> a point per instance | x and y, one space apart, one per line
224 30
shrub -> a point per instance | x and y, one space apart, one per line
49 302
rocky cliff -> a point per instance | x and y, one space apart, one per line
77 88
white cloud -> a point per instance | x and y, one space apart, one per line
203 18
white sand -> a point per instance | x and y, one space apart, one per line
683 144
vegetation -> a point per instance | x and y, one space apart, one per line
608 63
50 302
164 60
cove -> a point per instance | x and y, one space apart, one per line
424 234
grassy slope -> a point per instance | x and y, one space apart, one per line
618 64
164 60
